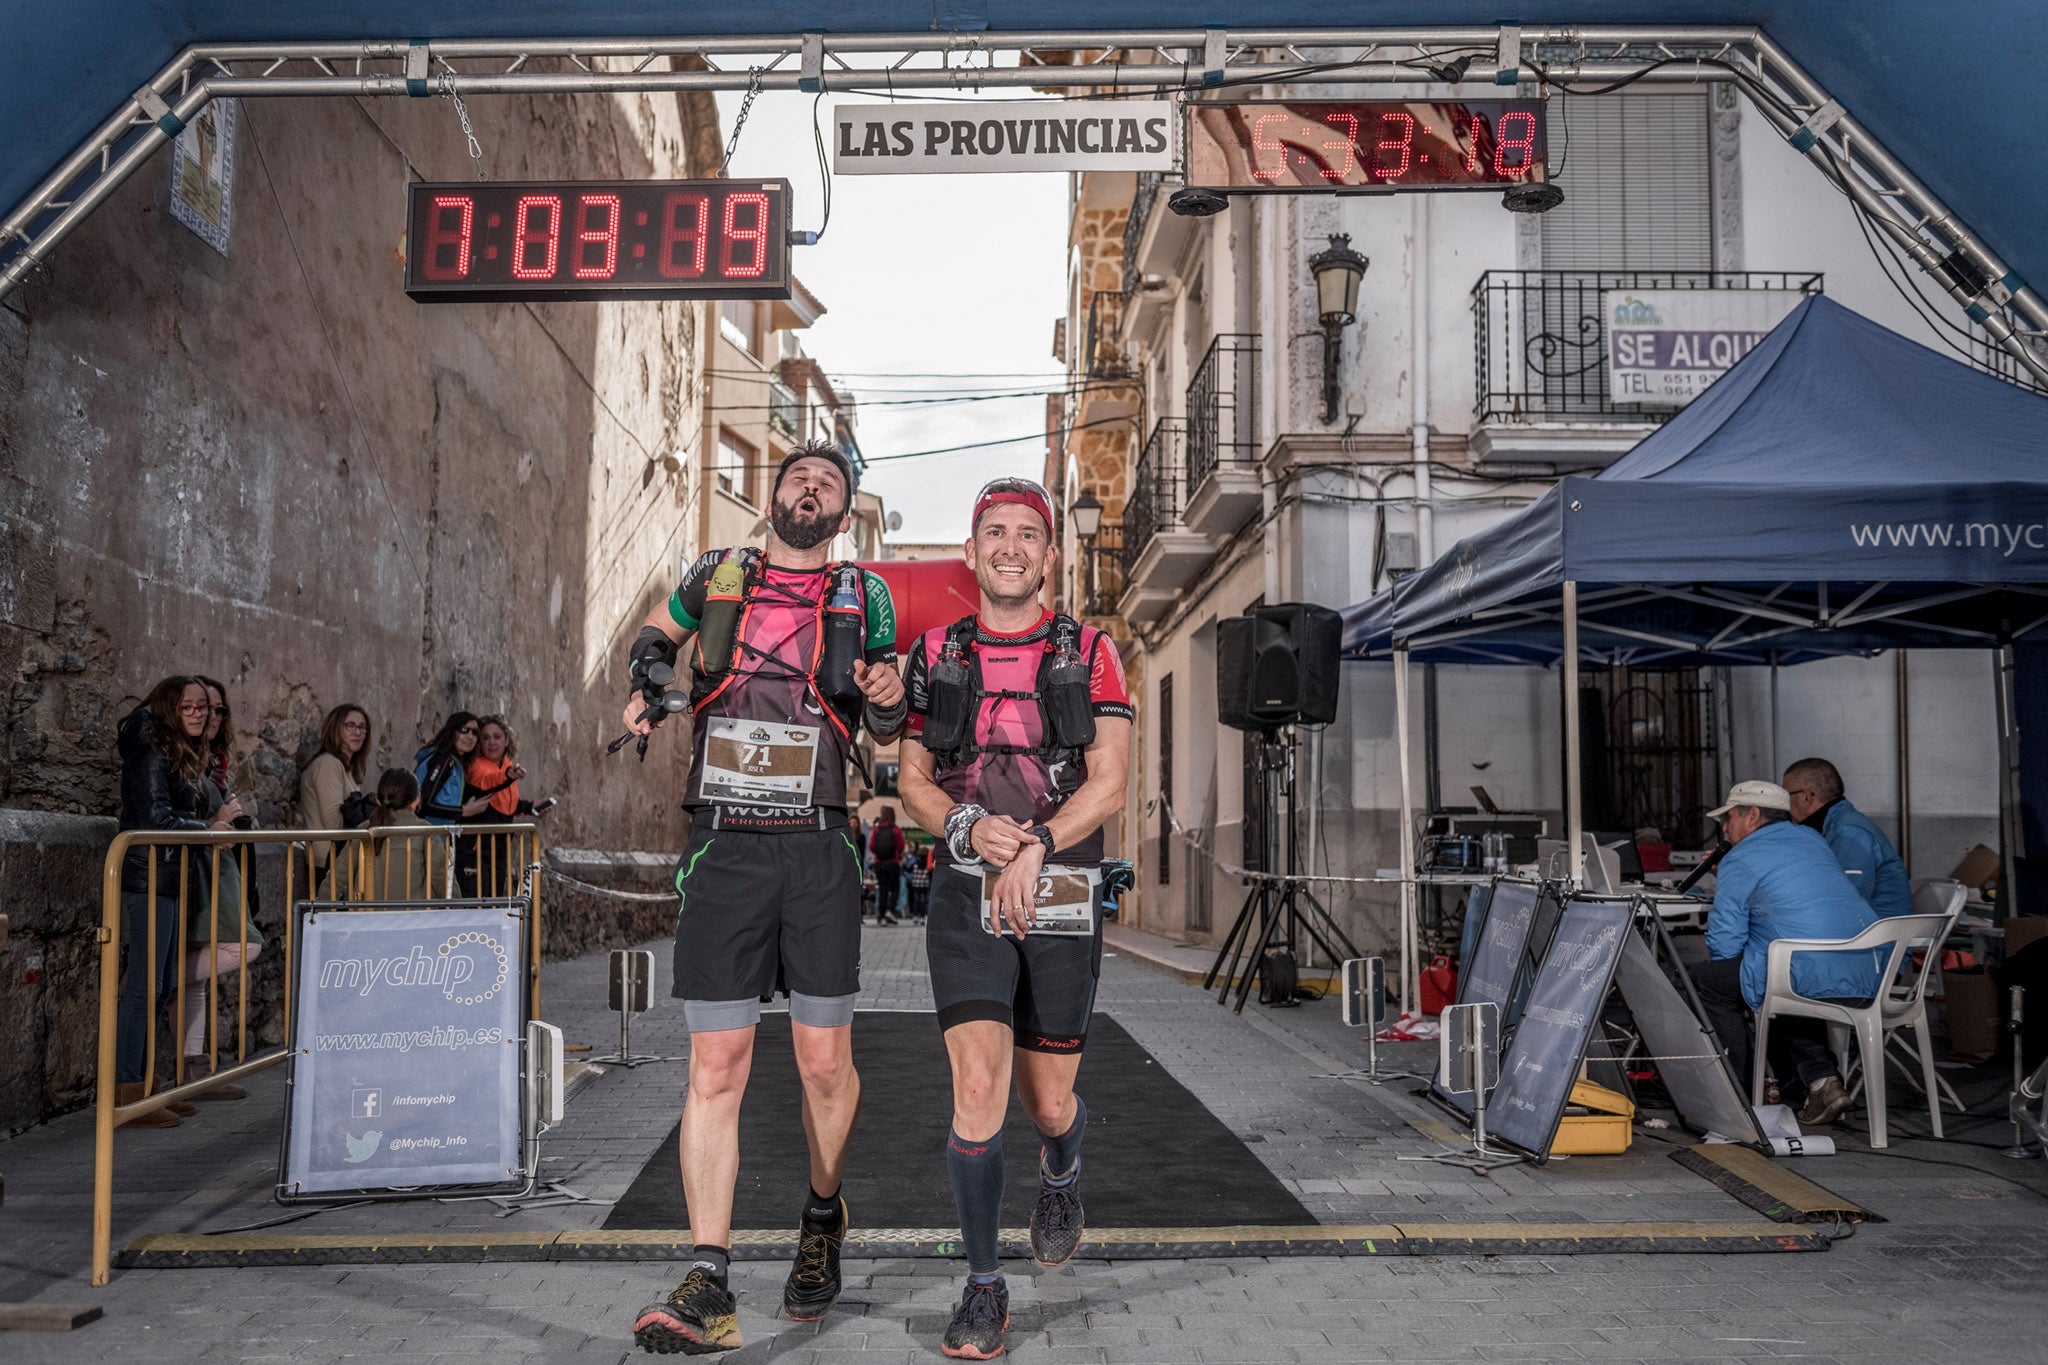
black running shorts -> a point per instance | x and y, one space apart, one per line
1042 989
763 912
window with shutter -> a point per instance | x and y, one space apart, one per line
1636 182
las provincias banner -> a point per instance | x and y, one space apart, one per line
1016 135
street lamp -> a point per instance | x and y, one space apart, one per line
1086 514
1337 270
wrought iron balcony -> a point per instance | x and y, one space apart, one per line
1223 406
1107 357
1542 338
1108 570
1143 201
785 413
1158 485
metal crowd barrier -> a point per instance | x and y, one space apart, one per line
367 865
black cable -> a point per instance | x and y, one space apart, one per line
824 171
287 1218
1958 1165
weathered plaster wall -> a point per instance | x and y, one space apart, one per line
274 468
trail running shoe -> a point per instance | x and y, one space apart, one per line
813 1282
1826 1101
976 1332
695 1319
1056 1222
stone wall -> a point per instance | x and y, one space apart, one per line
274 468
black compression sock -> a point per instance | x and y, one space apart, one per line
976 1169
717 1261
823 1210
1059 1159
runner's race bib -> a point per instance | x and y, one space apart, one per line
1065 905
759 763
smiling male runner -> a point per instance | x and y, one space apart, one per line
793 654
1024 727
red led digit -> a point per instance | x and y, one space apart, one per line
439 237
1349 145
1404 144
1260 144
674 233
1472 126
1526 144
757 234
548 236
606 237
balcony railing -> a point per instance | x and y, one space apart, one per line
1107 358
1108 584
1134 226
1158 490
1223 407
1542 337
785 413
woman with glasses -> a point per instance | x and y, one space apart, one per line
163 767
335 774
209 959
438 769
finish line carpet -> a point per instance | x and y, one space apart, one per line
1154 1157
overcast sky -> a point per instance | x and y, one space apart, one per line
924 275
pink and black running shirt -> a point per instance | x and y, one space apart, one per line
781 623
1022 786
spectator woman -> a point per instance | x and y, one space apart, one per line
492 775
334 775
438 769
163 767
393 864
208 960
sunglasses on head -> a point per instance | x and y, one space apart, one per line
1013 484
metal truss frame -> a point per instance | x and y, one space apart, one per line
1442 60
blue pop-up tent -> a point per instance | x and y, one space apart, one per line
1841 490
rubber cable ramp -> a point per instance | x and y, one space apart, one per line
1778 1194
195 1251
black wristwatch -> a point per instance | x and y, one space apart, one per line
1043 833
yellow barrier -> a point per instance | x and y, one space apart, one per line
488 861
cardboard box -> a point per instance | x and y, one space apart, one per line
1970 1004
1978 869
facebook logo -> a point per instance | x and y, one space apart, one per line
366 1104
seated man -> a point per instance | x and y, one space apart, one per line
1873 865
1778 880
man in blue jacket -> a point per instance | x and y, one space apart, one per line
1779 880
1862 849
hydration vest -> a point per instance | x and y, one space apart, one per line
841 640
1060 691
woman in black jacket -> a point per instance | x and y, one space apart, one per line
438 769
163 763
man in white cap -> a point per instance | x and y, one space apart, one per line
1778 880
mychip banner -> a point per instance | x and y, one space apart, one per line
405 1050
1664 346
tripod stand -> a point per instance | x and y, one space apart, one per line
1276 908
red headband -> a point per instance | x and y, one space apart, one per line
1018 496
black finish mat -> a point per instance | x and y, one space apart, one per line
1154 1157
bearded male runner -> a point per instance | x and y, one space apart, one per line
792 655
1023 722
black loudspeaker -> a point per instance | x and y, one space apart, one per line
1277 665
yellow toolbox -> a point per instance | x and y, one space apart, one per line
1603 1131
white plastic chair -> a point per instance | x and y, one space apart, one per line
1896 1005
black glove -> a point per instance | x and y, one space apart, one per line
651 648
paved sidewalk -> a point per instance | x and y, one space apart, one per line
1956 1274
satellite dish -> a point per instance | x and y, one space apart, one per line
894 521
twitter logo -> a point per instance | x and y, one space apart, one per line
362 1148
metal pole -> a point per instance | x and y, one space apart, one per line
2008 787
1777 766
1407 833
1905 761
1574 796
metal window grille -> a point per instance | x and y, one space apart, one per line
1541 337
1143 201
1107 356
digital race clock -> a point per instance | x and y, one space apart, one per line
598 239
1364 145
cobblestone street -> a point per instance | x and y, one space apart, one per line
1954 1273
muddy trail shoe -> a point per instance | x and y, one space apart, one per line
976 1332
696 1318
1056 1222
813 1283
